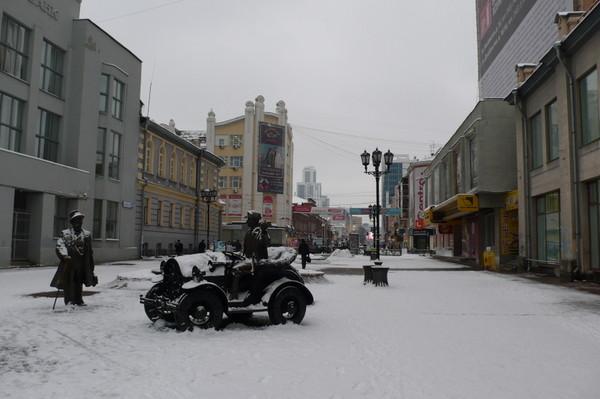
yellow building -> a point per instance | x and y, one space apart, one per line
172 172
257 149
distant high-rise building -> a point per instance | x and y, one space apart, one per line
511 32
309 188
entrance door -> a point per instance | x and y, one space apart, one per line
20 236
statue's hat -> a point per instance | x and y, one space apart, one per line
75 214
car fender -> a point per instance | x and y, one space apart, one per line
194 286
273 289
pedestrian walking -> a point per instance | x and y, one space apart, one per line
304 252
202 247
178 248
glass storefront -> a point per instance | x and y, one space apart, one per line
548 227
594 215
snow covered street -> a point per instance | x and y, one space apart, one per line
430 334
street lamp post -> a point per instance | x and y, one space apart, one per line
208 196
388 160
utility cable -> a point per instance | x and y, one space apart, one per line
143 10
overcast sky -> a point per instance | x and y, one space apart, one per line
400 74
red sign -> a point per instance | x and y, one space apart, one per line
268 207
338 217
301 208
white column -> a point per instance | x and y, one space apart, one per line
257 197
210 131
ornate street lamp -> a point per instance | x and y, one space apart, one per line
208 196
388 159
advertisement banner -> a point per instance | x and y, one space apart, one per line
417 180
497 20
268 207
271 146
226 207
234 205
301 208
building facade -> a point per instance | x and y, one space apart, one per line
258 152
468 183
171 174
69 100
558 147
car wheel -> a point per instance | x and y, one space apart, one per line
288 305
152 310
199 309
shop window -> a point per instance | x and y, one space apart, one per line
112 219
548 227
594 216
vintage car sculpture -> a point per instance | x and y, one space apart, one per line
198 290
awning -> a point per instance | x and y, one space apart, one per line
453 208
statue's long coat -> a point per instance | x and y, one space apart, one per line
79 248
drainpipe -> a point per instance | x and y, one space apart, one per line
526 178
143 193
573 154
197 193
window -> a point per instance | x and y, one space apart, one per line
222 182
52 69
537 152
11 122
594 216
47 138
192 174
236 182
147 211
149 156
182 212
160 210
14 48
548 227
182 170
236 141
192 218
162 161
473 162
173 166
100 150
61 210
117 100
172 218
112 215
590 114
97 227
114 157
236 162
222 141
552 131
104 81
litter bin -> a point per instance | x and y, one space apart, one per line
489 259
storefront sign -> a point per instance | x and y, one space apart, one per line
301 208
234 205
417 182
271 158
268 207
467 202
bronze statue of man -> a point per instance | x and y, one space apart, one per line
74 249
257 238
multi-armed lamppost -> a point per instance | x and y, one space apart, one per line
388 160
208 196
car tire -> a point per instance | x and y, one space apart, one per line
152 310
289 304
201 309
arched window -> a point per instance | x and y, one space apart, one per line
173 166
162 161
192 175
149 156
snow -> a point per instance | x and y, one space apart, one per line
436 332
341 253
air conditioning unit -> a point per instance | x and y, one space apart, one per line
221 146
235 167
235 189
236 146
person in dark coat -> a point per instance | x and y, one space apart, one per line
76 268
178 248
304 252
202 247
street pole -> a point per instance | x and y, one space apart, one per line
377 175
207 224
